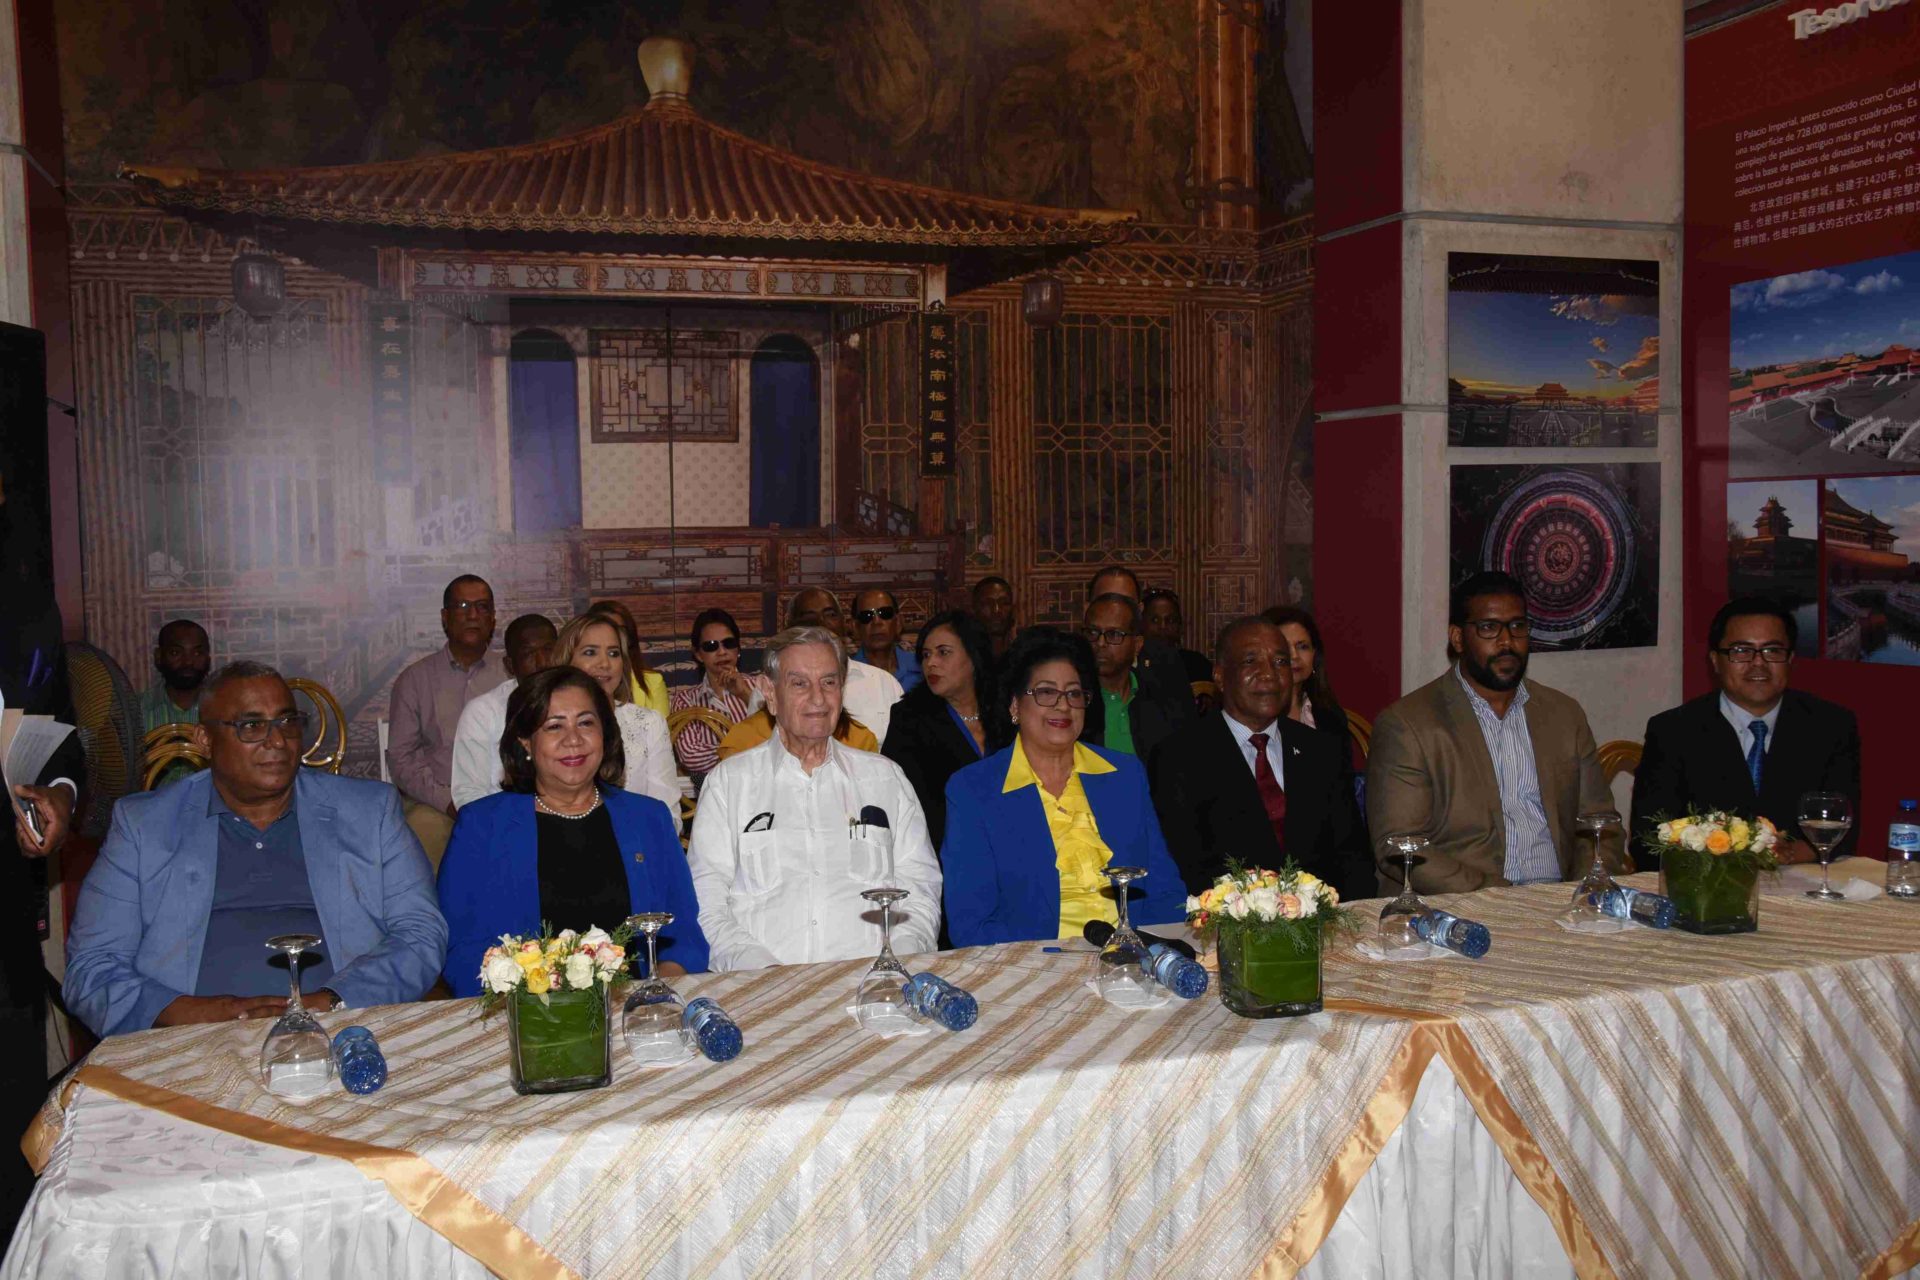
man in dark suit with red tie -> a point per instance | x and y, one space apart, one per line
1752 746
1247 782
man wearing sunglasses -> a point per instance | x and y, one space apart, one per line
1752 746
876 629
1492 768
194 878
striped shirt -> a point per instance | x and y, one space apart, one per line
698 746
1531 855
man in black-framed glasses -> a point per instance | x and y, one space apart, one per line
1490 766
876 631
1751 745
196 876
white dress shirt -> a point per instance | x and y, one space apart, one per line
788 892
1742 722
1275 752
869 696
476 749
476 745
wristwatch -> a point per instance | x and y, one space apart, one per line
334 996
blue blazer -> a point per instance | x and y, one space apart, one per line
490 879
1002 876
140 924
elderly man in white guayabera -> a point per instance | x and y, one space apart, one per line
789 833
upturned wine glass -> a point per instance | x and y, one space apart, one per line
880 1003
652 1020
1123 960
1396 918
296 1062
1825 817
1593 831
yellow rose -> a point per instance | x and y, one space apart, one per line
529 960
539 981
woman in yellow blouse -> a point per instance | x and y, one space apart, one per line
1030 829
649 687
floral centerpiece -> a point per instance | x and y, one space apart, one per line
1710 865
557 989
1267 927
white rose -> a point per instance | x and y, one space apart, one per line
1265 902
579 971
1664 833
501 974
593 937
1762 840
1694 837
566 937
1237 906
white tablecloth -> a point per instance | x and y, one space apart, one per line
1676 1106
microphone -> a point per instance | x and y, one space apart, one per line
1098 931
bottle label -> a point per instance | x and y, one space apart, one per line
1904 838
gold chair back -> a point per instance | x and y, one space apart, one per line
680 721
1362 730
330 726
1618 757
166 746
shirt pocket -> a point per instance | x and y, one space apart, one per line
758 869
870 858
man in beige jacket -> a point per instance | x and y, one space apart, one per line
1489 766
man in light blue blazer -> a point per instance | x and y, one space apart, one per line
172 920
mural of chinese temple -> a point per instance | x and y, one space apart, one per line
662 361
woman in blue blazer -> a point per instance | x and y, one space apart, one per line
1030 827
562 845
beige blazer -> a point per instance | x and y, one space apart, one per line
1429 771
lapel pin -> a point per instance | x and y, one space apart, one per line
639 857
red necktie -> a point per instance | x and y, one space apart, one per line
1272 798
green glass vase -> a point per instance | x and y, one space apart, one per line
561 1042
1268 973
1711 894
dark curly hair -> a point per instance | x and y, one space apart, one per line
986 689
527 711
1037 645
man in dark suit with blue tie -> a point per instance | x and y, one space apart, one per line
1752 746
1248 782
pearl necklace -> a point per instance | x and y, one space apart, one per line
540 803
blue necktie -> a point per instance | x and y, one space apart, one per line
1757 753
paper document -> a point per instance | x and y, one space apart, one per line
26 744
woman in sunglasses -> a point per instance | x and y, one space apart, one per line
1032 828
723 688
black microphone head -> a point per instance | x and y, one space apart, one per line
874 816
1097 932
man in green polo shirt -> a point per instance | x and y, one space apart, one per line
182 656
1113 629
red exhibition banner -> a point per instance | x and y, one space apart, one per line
1800 353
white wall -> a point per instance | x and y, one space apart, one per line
1543 129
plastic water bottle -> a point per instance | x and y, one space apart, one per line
1443 929
1903 852
717 1035
1175 972
357 1057
932 996
1637 905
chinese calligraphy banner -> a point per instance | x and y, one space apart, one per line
936 394
391 327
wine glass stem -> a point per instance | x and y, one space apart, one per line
1120 903
653 969
886 929
1826 883
293 981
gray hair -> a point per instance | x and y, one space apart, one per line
244 669
792 638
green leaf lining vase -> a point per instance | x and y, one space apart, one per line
561 1042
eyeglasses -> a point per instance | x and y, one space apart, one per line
885 613
466 608
1048 696
724 642
1106 635
253 729
1741 655
1488 628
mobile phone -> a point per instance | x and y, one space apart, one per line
31 812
